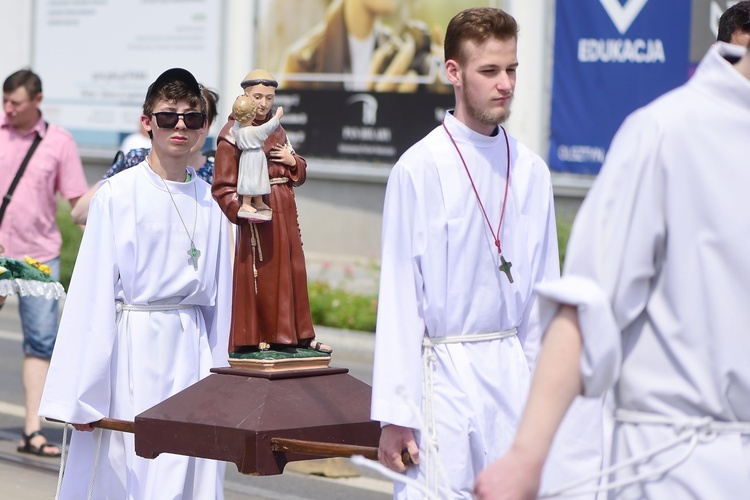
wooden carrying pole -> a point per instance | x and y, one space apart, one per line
111 424
282 445
277 444
330 449
323 449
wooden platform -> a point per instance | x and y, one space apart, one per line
233 415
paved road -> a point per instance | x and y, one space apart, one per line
30 478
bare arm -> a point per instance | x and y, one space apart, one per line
80 206
557 381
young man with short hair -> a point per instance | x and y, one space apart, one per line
468 231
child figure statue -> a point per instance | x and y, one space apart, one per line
252 181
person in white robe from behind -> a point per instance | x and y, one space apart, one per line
147 313
654 301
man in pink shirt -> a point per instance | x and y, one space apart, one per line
28 227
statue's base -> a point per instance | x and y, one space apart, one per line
232 415
277 365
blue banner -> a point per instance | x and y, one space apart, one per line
611 57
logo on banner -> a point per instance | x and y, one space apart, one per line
621 50
369 107
623 15
367 139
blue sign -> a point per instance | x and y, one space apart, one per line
611 57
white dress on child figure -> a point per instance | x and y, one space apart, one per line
252 179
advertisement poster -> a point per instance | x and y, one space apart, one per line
611 57
361 86
96 58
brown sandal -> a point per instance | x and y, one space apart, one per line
319 346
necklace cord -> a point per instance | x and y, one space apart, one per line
195 221
476 193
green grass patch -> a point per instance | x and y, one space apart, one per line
341 309
71 236
564 225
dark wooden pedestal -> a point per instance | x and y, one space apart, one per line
232 415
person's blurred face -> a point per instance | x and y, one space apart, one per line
263 95
740 38
21 110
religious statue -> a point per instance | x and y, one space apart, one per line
271 307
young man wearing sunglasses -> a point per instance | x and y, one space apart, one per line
147 313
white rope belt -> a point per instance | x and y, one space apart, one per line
278 180
689 430
428 368
121 306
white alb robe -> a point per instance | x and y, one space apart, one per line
658 265
440 278
134 250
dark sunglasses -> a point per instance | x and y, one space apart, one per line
168 119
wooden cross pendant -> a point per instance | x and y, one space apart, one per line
194 253
505 267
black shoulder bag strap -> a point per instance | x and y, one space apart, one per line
21 169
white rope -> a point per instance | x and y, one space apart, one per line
121 306
279 180
96 463
392 475
63 460
257 251
690 430
63 457
428 368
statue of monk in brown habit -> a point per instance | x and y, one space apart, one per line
270 301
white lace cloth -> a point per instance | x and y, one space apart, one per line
31 288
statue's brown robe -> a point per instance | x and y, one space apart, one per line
279 313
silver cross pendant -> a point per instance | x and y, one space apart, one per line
194 253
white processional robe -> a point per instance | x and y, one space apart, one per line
252 177
440 278
659 267
135 250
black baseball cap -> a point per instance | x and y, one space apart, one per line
174 75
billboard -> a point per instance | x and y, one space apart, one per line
610 58
97 58
362 85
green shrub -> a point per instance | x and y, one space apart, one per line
564 226
339 308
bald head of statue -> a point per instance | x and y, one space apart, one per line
259 77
